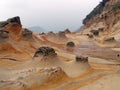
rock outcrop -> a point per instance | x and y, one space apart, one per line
13 25
10 20
97 10
14 20
104 17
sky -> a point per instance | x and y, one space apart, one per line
52 15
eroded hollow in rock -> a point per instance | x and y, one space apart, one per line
45 51
81 59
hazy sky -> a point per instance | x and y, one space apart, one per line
49 14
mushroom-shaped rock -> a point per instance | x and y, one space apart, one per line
14 20
45 51
4 34
81 59
27 33
70 44
95 32
3 24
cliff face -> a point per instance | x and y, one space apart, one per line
106 15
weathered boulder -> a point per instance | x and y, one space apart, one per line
70 44
81 59
4 34
27 33
44 51
14 20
